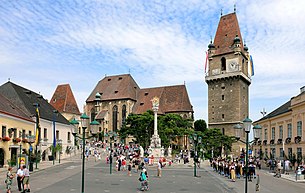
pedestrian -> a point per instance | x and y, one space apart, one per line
8 181
20 178
26 180
129 168
232 171
159 168
143 180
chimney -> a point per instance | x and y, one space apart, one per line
302 89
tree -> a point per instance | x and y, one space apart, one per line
200 125
141 127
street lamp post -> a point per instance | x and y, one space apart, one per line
197 140
31 139
247 127
112 136
59 142
55 114
93 129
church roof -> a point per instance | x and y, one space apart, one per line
227 30
24 99
63 100
116 87
171 99
7 107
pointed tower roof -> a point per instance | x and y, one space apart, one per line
226 32
63 100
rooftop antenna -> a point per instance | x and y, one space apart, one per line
9 79
221 12
234 8
263 112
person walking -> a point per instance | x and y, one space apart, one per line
26 180
159 168
143 180
20 176
8 181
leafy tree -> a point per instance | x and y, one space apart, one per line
141 127
200 125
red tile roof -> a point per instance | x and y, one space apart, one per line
63 100
227 30
115 87
171 99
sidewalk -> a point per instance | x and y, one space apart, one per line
290 177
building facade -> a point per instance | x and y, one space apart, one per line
283 131
115 97
53 126
228 77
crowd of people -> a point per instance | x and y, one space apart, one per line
235 169
23 179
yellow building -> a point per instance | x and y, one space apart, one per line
15 127
282 131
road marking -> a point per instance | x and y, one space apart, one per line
72 190
70 167
106 190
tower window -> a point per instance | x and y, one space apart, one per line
223 116
223 63
222 97
243 61
223 131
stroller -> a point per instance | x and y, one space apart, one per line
144 185
143 179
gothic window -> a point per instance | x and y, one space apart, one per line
223 64
123 113
114 118
92 114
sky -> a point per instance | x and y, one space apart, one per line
44 43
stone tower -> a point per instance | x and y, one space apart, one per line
227 77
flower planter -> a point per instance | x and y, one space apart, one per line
24 140
6 138
16 140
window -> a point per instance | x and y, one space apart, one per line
299 152
15 132
289 130
123 113
23 133
30 133
289 153
222 97
223 64
92 114
223 131
281 152
281 132
223 116
57 135
273 133
3 131
273 153
115 118
45 133
266 134
69 136
299 128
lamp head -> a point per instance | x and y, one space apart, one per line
247 124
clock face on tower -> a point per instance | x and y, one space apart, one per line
233 65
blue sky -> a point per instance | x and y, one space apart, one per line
46 43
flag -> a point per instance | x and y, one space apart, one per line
206 61
37 126
251 65
54 133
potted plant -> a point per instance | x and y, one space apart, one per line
24 140
6 138
16 140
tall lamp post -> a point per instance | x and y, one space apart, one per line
93 130
112 137
31 139
247 127
59 143
197 140
55 114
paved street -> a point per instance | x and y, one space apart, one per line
178 178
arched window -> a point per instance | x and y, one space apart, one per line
123 113
115 118
92 114
223 64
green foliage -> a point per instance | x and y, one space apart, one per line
200 125
141 127
214 140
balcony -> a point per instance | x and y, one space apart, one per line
279 141
265 142
272 142
288 140
297 139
